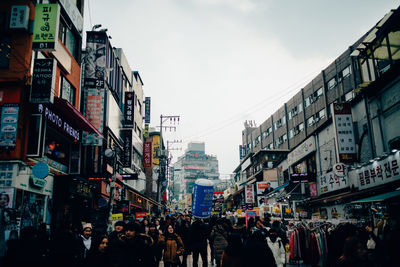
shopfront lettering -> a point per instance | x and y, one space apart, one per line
56 120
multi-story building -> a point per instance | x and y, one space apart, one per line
194 164
307 138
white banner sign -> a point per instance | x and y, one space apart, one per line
379 172
249 193
331 182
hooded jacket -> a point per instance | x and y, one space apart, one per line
278 250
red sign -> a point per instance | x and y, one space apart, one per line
147 154
140 215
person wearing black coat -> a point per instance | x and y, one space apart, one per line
199 233
184 231
100 257
257 252
84 245
156 248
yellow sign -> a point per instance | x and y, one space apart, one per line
117 217
257 209
288 210
45 29
239 211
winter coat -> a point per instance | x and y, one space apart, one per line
232 260
278 250
184 232
173 248
241 231
199 236
219 237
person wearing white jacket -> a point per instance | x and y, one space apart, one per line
277 248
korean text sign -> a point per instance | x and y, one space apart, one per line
331 182
147 110
379 172
95 64
249 193
43 80
128 109
147 154
45 29
127 158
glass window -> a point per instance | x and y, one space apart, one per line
307 102
349 96
310 121
291 133
346 72
5 50
70 42
35 126
299 108
283 120
67 91
290 115
331 83
301 127
320 92
321 114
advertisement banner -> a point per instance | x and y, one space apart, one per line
95 63
127 158
249 193
93 110
331 182
263 187
128 109
7 193
146 131
343 125
9 125
250 214
45 28
313 189
147 154
379 172
19 18
202 198
43 80
147 110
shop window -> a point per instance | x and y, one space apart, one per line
30 208
5 51
34 135
75 161
67 91
56 147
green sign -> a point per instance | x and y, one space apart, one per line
45 29
38 182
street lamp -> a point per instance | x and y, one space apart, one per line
110 154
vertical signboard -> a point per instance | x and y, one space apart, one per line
43 81
146 131
343 123
95 63
249 193
147 110
93 109
241 152
127 158
202 198
19 18
147 154
9 125
45 29
128 109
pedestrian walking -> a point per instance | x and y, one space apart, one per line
240 229
219 237
257 252
184 231
233 253
156 248
84 244
277 247
199 242
173 247
101 256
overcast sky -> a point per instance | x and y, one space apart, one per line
217 63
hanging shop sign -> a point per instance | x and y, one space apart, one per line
95 64
263 187
57 121
55 165
331 182
202 198
343 125
147 154
37 182
302 177
19 18
249 193
128 109
45 29
9 125
140 215
302 150
127 158
379 172
117 216
242 152
146 131
313 189
147 110
43 80
93 110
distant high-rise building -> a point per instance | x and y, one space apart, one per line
194 164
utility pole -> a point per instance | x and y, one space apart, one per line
164 159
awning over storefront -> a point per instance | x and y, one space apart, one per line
280 187
74 116
379 198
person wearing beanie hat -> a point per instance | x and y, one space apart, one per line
85 247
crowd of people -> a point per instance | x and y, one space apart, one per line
233 242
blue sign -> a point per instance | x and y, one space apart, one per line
202 198
40 170
9 125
